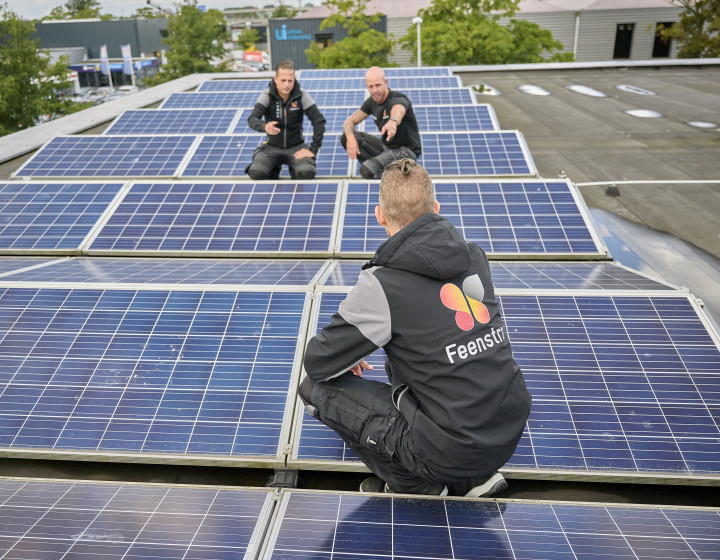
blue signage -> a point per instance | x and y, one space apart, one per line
285 34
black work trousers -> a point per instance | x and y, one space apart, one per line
267 161
375 155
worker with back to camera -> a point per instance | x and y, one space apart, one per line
457 404
278 113
394 117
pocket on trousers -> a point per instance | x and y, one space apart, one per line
344 413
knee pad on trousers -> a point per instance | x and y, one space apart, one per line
257 174
304 174
305 390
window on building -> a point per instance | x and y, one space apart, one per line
323 40
661 46
623 40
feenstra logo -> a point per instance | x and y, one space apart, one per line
466 303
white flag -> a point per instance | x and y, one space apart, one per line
104 62
127 59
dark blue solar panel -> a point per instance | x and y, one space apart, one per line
319 526
334 119
10 265
285 272
627 384
211 99
536 276
234 85
476 153
48 519
238 218
459 117
345 73
108 156
399 83
51 216
247 99
173 121
450 96
510 217
173 373
229 156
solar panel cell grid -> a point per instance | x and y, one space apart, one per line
168 121
360 73
47 216
619 383
510 217
456 118
53 519
480 153
434 97
108 156
285 272
350 526
211 99
242 217
234 85
170 372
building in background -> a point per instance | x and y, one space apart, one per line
593 30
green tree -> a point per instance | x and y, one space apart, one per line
28 79
283 11
248 38
148 13
362 47
195 38
698 31
78 9
470 32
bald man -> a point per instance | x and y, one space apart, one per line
394 118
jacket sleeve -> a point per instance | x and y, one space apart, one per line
360 326
256 119
317 119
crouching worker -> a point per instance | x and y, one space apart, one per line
456 404
278 113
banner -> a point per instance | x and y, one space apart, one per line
104 61
127 59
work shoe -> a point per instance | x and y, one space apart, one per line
376 484
496 483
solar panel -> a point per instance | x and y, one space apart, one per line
532 217
450 96
108 156
399 83
125 374
313 525
346 73
533 276
12 265
229 156
234 85
213 219
173 121
211 99
459 117
227 272
476 153
247 99
334 119
623 386
51 216
62 519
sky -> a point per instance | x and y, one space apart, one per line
36 9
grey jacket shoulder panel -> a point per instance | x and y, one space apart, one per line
366 307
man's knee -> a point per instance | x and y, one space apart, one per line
304 172
305 391
343 141
261 173
370 170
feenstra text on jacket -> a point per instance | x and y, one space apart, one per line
475 346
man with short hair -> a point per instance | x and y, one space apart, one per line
456 404
395 119
279 113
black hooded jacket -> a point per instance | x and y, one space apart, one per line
289 116
427 298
